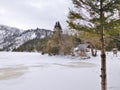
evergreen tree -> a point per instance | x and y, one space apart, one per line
57 33
96 16
53 45
60 43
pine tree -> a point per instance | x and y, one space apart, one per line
54 43
57 33
96 16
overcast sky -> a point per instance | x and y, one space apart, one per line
26 14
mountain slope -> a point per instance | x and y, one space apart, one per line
30 35
33 45
7 36
11 38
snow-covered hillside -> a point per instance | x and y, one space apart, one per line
29 35
8 35
33 71
11 38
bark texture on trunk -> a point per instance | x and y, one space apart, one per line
103 71
103 55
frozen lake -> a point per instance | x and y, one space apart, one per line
33 71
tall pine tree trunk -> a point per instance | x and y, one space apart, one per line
103 55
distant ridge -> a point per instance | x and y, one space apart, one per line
11 38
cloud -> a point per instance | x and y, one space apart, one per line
33 13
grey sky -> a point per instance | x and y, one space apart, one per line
26 14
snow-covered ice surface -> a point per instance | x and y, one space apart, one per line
33 71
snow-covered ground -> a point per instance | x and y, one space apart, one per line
33 71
